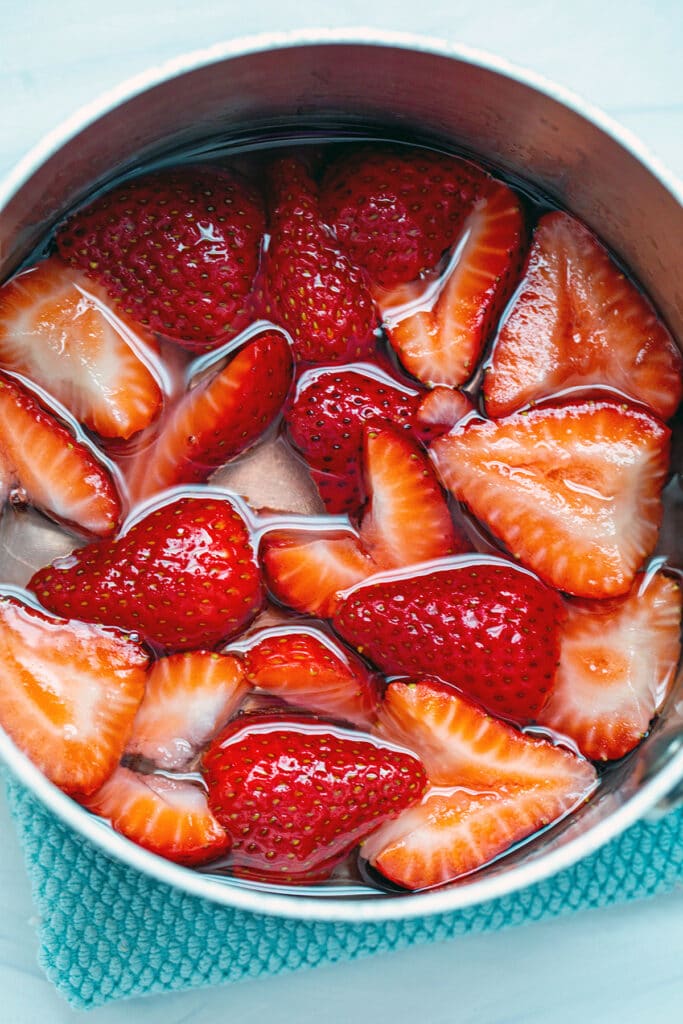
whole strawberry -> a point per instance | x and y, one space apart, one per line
326 421
296 796
178 249
308 286
484 625
183 577
395 211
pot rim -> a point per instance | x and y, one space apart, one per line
334 908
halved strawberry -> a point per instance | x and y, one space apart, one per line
296 796
169 817
177 250
461 745
395 210
57 328
307 668
439 411
577 320
438 327
50 467
453 832
188 698
326 420
306 568
618 659
308 286
477 622
68 693
184 576
572 490
219 418
407 519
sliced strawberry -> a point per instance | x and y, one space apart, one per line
307 668
50 467
438 328
407 519
308 286
57 329
184 576
618 659
572 490
69 693
454 831
188 698
341 495
168 816
326 420
220 418
176 249
461 745
577 320
305 569
396 210
479 623
439 411
297 796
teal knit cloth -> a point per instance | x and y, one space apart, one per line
107 932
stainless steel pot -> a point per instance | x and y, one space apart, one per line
396 85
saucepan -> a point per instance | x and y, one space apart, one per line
369 84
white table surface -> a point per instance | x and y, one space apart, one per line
619 966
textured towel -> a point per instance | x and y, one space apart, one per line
108 932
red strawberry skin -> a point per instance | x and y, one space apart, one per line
177 249
482 625
220 418
395 211
309 287
183 577
326 421
296 797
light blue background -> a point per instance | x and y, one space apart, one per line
618 966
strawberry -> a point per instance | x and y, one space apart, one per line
461 745
395 211
296 796
307 668
177 250
57 329
618 659
308 286
572 490
68 694
184 576
453 832
167 816
439 411
407 519
188 698
438 327
52 467
219 418
480 623
577 321
306 568
490 786
326 420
